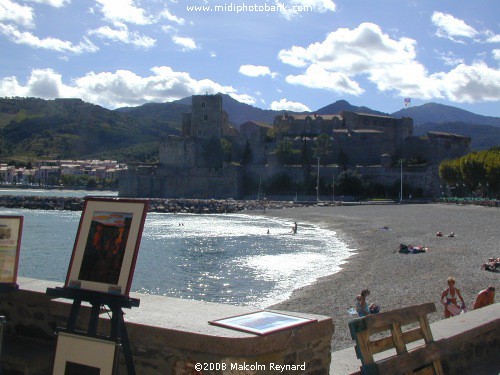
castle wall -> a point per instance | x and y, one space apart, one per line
436 147
177 182
178 152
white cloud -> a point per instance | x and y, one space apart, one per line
256 71
491 37
449 58
187 44
317 77
53 3
118 89
169 16
53 44
122 34
472 83
124 11
285 105
496 54
42 83
243 98
450 27
335 63
16 13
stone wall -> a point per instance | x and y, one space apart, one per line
172 336
178 182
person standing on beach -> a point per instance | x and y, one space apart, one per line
485 297
450 294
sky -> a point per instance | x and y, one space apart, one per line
295 55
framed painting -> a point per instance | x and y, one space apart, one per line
83 355
262 322
11 228
106 245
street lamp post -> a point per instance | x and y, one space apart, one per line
317 184
401 188
333 187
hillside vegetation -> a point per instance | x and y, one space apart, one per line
70 128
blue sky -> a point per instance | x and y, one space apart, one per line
279 54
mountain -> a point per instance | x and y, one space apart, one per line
483 137
436 113
342 105
31 128
238 112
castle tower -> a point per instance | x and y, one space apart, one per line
207 116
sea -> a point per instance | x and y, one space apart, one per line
235 258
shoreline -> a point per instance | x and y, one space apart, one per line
397 280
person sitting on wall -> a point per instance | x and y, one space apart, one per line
362 306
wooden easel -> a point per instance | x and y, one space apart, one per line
115 303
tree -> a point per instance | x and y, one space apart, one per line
343 159
349 183
449 171
227 148
246 158
284 150
323 148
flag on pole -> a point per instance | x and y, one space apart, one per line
407 102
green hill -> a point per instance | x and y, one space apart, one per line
70 128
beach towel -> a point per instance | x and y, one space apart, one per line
456 310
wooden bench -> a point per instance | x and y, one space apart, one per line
424 359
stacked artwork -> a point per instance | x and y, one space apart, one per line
102 263
10 245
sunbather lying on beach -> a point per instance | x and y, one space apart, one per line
493 265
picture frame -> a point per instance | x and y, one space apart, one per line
106 245
79 355
11 228
262 322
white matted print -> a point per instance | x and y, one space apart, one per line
11 228
106 245
262 322
79 355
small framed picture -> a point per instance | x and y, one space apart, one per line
106 245
262 322
11 228
83 355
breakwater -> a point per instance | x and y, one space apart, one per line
196 206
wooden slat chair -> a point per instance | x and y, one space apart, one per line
422 360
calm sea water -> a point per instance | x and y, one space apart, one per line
227 258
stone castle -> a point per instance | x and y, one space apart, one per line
213 159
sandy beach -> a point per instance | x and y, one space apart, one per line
397 280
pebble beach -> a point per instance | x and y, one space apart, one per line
374 233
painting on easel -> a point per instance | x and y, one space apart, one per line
106 245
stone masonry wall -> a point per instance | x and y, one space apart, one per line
163 341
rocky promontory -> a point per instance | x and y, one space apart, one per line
196 206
